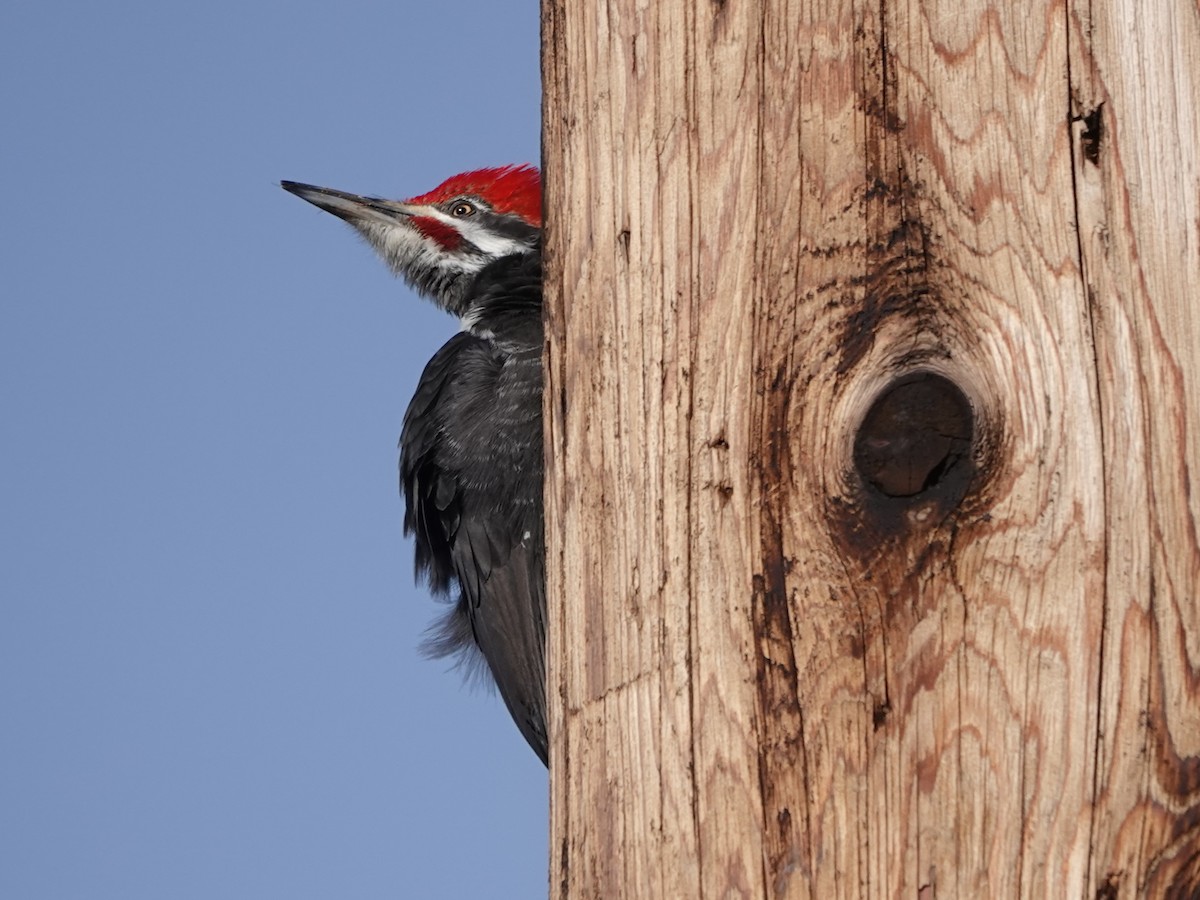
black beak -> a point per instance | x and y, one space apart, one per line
351 207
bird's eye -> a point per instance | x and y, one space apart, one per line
462 209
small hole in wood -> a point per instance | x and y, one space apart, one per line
915 435
1092 135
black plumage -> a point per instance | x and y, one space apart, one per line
471 472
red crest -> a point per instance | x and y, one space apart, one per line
506 189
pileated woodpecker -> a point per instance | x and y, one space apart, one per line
471 447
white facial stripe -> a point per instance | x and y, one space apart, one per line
402 248
492 245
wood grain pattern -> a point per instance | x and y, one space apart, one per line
770 681
1135 92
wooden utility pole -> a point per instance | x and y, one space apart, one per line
873 448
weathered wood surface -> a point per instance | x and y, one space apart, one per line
768 680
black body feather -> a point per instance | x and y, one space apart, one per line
471 473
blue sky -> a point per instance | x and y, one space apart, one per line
209 682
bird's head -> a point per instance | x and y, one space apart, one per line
439 240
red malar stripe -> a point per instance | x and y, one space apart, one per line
439 231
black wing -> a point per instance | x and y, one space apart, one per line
433 504
470 466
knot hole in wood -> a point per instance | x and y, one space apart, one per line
915 441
